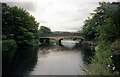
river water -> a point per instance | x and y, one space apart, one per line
64 59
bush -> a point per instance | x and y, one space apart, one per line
116 45
8 44
102 63
35 43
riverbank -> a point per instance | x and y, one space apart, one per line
106 58
89 43
105 61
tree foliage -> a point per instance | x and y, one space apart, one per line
105 22
104 26
44 29
19 25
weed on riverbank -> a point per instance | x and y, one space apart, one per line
102 63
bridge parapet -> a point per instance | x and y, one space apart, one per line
60 34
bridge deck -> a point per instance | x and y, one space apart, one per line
60 34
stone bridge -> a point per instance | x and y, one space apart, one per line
59 36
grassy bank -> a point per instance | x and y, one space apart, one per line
102 63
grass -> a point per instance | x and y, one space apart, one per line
102 63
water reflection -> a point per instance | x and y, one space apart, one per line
69 43
48 60
65 59
57 62
23 62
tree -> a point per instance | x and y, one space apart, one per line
19 25
44 29
106 16
110 30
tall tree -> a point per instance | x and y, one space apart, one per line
18 24
105 15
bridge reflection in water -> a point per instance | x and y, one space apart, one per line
59 36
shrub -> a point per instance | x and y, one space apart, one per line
8 44
102 63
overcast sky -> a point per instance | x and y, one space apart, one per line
59 15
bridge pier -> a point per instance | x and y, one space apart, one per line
59 41
41 40
45 41
81 41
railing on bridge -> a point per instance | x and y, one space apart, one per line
60 34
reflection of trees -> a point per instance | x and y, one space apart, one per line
87 52
23 62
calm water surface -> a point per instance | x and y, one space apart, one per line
50 60
60 60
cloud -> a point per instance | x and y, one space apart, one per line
42 21
59 15
29 6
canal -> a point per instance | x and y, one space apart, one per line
64 59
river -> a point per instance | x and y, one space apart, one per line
64 59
